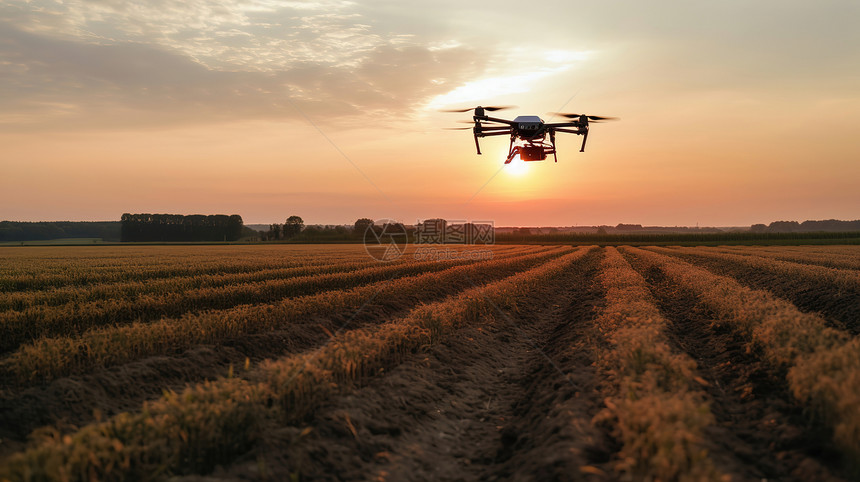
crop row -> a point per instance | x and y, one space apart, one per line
835 250
72 319
128 290
19 274
842 279
823 363
214 421
22 300
842 261
48 277
54 357
658 412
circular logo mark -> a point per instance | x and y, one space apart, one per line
386 240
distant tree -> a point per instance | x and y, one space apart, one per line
784 227
601 230
250 234
235 227
10 232
293 226
361 226
313 231
274 232
758 228
394 228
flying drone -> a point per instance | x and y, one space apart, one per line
531 130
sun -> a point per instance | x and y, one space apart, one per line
517 167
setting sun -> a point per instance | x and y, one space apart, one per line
517 167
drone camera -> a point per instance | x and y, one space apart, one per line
532 153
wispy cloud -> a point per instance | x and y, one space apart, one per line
521 74
107 62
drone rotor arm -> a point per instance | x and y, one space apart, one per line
493 119
563 124
495 128
484 133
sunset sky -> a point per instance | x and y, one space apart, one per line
732 112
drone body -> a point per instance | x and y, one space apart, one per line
536 137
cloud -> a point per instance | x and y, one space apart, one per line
242 34
524 72
56 82
118 63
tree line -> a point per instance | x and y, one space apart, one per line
179 227
827 225
295 231
42 231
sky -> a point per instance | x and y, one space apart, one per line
731 113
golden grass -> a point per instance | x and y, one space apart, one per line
73 318
824 363
50 358
55 267
799 255
842 278
658 412
214 421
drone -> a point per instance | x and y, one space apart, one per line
530 129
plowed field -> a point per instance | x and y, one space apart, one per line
504 362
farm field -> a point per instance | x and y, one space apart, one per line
500 362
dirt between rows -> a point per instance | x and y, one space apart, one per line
74 401
840 307
761 432
513 399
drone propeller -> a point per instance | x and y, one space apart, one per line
458 128
594 118
597 118
490 108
